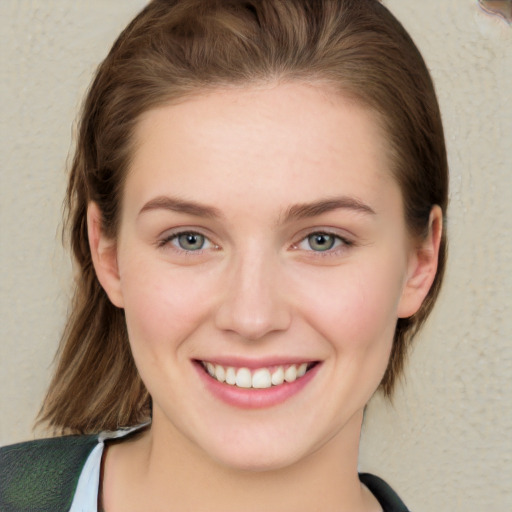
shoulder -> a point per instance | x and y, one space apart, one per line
385 495
42 475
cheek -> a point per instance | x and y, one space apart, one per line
162 307
356 309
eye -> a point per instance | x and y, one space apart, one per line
322 242
188 241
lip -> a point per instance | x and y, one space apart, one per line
254 398
254 364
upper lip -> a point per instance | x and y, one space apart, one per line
253 364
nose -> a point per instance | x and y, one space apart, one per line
254 303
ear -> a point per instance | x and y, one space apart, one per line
104 256
422 266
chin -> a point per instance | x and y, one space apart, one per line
256 460
261 449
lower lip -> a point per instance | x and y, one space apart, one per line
255 398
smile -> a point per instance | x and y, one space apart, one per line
260 378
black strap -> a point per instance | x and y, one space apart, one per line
41 476
387 498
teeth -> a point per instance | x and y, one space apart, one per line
261 378
302 369
243 378
278 376
220 373
290 374
211 369
231 376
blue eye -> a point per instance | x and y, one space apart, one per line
189 241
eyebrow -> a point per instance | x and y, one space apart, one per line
181 206
306 210
294 212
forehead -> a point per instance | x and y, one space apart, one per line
281 140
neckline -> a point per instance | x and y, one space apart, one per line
383 493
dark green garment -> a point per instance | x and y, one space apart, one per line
41 476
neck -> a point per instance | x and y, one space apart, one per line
162 470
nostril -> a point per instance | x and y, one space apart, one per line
251 319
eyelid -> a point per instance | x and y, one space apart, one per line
342 242
165 240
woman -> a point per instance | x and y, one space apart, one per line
256 211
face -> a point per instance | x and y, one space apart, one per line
262 262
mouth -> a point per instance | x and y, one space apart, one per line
258 378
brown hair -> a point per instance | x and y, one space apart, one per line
175 48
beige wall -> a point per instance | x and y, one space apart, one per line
446 444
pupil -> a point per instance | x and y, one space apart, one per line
191 241
321 242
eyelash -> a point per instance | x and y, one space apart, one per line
340 243
167 241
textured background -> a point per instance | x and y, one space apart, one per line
446 442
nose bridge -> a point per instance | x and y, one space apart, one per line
254 303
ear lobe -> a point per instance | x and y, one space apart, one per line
104 256
422 267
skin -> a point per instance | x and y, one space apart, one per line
257 289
